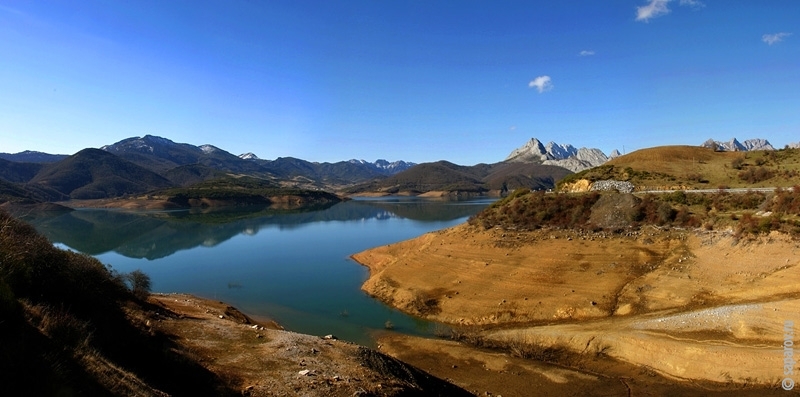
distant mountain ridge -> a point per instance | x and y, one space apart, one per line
444 176
165 156
30 156
562 155
142 164
735 146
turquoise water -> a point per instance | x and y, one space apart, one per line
293 267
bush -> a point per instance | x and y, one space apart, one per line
534 210
139 283
755 175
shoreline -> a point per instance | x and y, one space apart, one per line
653 299
262 359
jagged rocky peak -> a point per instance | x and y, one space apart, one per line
385 166
735 146
248 156
614 154
531 151
562 155
560 151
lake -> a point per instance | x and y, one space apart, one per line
290 266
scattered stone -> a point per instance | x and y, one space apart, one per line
305 372
330 337
221 316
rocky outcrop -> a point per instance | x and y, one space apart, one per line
571 164
562 155
610 184
579 186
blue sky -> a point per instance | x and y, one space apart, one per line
466 81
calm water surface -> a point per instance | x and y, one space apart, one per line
293 267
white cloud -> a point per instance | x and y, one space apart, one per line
586 53
692 3
541 83
655 8
774 38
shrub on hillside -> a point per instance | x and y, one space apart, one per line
755 175
32 268
534 210
139 283
786 201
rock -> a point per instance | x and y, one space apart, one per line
221 316
562 155
610 184
305 372
330 337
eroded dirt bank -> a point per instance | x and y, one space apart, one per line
689 306
259 359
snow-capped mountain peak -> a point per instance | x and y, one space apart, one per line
208 148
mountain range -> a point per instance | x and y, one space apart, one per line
735 146
561 155
145 164
29 156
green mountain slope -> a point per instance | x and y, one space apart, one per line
93 173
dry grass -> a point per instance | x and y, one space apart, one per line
699 168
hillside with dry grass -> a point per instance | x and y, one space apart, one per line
691 287
693 167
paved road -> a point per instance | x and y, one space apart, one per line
737 190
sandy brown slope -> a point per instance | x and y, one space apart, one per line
686 305
259 359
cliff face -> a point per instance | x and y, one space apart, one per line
562 155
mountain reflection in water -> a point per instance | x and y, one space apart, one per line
158 234
291 266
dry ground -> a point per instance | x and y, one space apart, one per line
260 359
688 306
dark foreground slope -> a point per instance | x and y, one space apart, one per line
71 326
